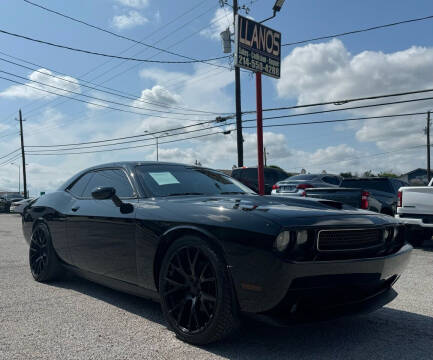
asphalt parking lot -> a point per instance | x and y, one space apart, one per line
76 319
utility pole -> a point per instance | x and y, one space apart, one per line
264 153
428 147
23 155
240 139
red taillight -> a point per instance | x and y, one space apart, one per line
364 199
304 186
400 199
275 187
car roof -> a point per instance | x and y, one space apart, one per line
123 164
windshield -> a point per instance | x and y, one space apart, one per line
173 180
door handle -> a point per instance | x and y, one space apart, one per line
75 208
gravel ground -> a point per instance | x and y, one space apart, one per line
76 319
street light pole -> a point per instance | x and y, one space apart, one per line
157 142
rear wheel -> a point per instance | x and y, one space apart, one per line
43 260
196 294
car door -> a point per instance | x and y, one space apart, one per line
102 240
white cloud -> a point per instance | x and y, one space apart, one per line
328 71
157 95
222 19
130 19
138 4
62 82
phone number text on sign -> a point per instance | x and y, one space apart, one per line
257 48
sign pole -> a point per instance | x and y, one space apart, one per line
260 169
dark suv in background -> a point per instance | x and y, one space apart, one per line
249 177
384 190
7 199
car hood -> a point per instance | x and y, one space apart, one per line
281 210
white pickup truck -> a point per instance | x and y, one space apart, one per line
415 209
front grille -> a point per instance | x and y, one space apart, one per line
346 240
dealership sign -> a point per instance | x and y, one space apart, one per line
257 47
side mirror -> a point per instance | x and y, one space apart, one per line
105 193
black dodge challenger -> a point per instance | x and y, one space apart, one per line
211 250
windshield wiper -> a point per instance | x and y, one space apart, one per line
186 193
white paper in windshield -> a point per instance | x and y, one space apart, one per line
164 178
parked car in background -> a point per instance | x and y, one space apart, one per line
249 177
17 207
358 198
382 189
7 199
415 209
295 185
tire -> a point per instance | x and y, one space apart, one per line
44 263
197 298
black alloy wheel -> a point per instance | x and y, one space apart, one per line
44 264
38 253
196 292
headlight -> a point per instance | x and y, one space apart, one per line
395 233
282 241
301 237
385 234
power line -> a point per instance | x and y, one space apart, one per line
347 108
2 157
118 35
100 99
91 103
129 147
129 141
341 102
174 44
358 31
135 98
110 55
191 131
7 162
125 50
337 120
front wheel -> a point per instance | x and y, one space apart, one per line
196 293
43 260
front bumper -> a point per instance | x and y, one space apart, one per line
267 284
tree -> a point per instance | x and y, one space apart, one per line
387 174
368 173
346 174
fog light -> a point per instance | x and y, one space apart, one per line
385 234
301 237
282 241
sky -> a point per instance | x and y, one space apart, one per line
391 60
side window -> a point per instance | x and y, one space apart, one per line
271 176
250 174
78 187
331 180
115 178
